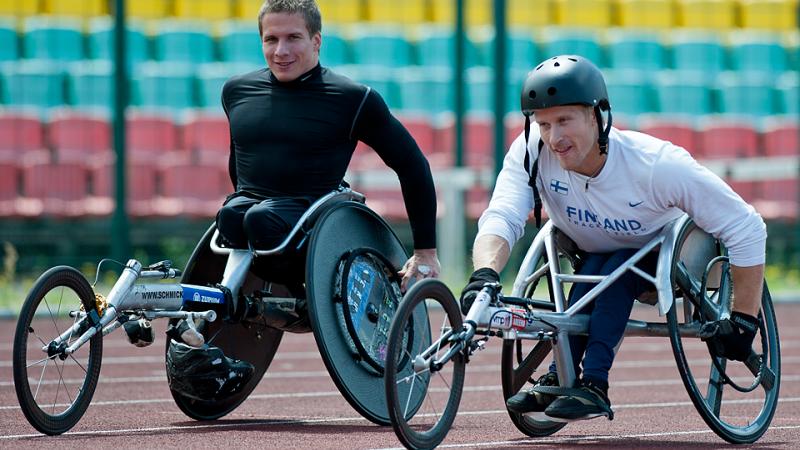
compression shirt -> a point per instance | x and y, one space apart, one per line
644 184
296 139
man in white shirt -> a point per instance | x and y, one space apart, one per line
610 191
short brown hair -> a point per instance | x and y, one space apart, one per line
307 8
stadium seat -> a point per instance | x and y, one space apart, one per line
679 92
341 11
79 137
247 9
781 136
141 185
573 41
148 9
521 50
20 8
190 189
421 130
208 137
90 85
526 14
788 87
758 52
698 51
385 46
183 41
747 94
679 131
100 37
480 94
583 13
152 137
239 42
410 12
55 38
630 91
478 138
37 84
748 190
721 137
335 50
9 182
436 47
477 13
203 9
163 86
778 199
8 40
425 90
79 8
514 125
713 14
638 50
59 188
22 138
211 77
381 79
769 14
646 14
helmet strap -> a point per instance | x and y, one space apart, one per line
602 140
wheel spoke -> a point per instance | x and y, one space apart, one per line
715 386
41 377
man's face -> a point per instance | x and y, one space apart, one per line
287 46
571 133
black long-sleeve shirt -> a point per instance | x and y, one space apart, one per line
297 138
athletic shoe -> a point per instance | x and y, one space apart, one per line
526 401
587 401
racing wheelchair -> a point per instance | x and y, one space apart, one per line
233 299
693 287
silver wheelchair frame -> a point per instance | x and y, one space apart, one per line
691 266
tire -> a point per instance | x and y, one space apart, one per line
54 392
735 404
519 360
420 413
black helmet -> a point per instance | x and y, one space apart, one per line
564 80
205 373
567 80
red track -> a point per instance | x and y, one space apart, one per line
297 405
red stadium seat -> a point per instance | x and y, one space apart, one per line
78 136
141 186
778 199
421 129
55 189
478 139
515 125
21 138
194 190
151 137
9 188
748 190
724 138
781 138
208 137
678 131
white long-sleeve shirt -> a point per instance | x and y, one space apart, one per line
645 183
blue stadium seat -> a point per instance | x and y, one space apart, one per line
335 49
183 41
698 51
55 38
747 94
210 79
758 52
90 85
379 78
480 89
101 40
8 40
436 47
683 93
635 49
239 42
788 87
163 85
38 84
630 91
425 90
381 46
521 50
573 41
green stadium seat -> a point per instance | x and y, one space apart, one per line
635 49
698 51
385 46
572 41
183 41
788 87
90 85
521 50
101 40
425 90
335 50
436 47
480 90
239 42
8 40
38 84
746 94
210 79
378 78
758 52
164 85
682 93
55 38
630 91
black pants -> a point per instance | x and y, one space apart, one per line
263 223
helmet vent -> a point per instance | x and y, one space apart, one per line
540 66
557 64
552 90
532 94
572 59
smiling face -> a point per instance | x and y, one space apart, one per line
287 46
571 133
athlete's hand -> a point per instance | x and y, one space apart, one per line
423 264
476 281
731 338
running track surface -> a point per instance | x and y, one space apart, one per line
297 405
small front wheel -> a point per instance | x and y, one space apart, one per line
53 388
424 373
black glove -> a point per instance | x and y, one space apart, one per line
731 338
476 282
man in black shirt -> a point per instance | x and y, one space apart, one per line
294 126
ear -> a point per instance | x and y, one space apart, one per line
316 41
